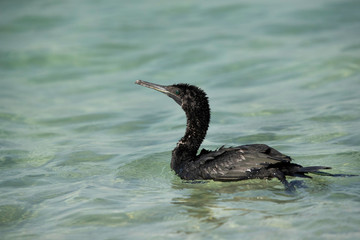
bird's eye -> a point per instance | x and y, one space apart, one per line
177 92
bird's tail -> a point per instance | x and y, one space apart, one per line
299 171
315 170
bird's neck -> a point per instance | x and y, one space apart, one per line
196 128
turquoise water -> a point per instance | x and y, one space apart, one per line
85 153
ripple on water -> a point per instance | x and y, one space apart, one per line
152 166
76 119
81 164
12 214
17 158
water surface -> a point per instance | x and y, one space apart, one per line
85 153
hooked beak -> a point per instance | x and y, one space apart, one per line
160 88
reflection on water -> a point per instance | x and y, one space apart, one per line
215 202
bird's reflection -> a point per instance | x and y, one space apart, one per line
215 202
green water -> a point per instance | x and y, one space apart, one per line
85 153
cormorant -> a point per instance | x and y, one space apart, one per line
227 163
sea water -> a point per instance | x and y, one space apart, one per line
85 153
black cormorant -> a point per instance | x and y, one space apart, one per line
227 163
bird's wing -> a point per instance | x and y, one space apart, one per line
237 163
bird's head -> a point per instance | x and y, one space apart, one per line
189 97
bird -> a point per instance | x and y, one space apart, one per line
251 161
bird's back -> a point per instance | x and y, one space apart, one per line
235 163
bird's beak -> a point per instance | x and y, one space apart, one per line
159 88
154 86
